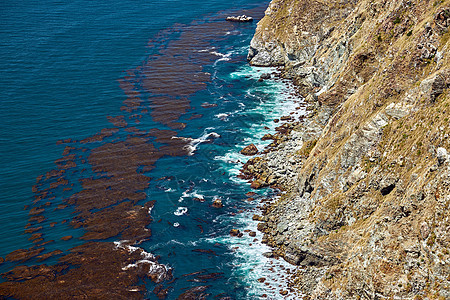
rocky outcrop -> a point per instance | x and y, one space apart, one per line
367 174
249 150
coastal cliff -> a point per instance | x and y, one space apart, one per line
367 174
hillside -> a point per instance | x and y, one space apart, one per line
367 173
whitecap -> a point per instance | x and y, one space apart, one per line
189 193
222 116
155 268
180 211
207 49
249 263
193 143
224 57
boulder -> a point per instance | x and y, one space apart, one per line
258 184
235 232
267 136
442 155
250 150
257 218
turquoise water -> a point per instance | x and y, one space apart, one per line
62 68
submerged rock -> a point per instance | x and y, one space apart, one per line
217 203
264 76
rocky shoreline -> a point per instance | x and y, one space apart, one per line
366 175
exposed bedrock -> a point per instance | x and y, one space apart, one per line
367 173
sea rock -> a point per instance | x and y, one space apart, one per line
264 76
267 136
194 293
235 232
258 184
217 203
257 218
249 150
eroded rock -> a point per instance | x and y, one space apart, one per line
249 150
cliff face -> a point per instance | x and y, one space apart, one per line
368 185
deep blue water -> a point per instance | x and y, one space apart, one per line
61 63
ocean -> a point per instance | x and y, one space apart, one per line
122 123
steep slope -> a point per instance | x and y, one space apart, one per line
366 211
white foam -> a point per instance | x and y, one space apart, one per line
251 265
224 57
193 143
222 116
147 258
214 135
189 193
180 211
207 49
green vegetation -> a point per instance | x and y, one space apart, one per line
307 147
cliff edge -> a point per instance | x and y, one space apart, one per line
368 181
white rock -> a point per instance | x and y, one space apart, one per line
442 155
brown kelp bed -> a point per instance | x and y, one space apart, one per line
101 182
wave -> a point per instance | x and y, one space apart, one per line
181 211
155 268
222 116
224 57
192 144
256 270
